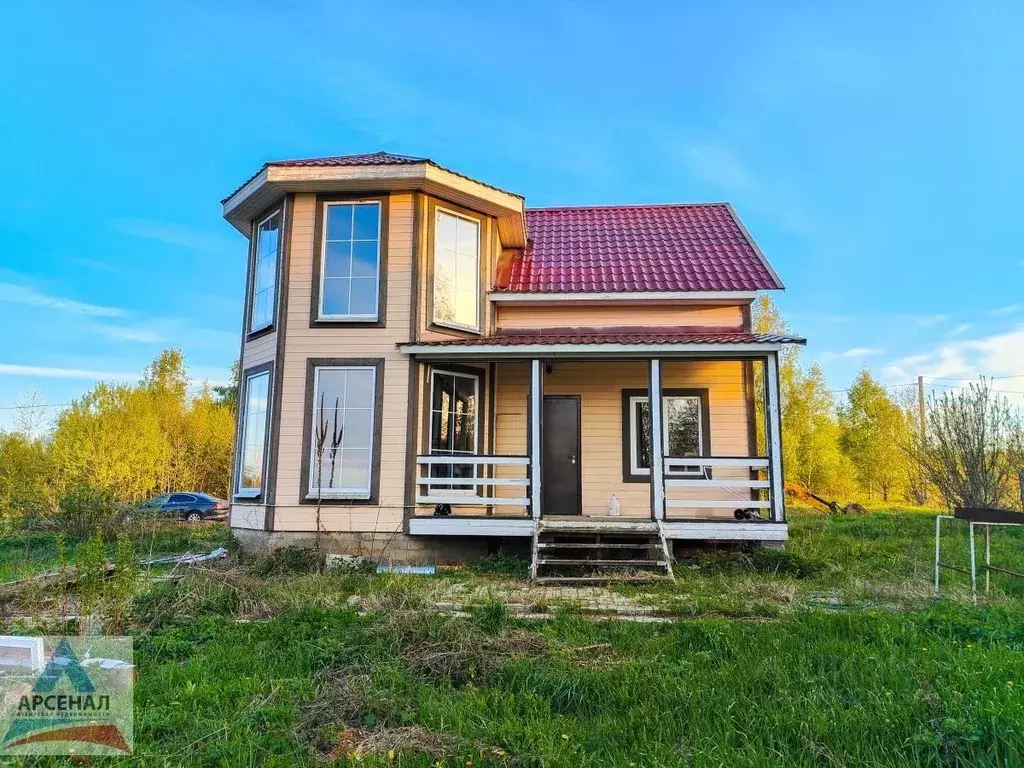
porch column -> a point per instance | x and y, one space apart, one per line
657 448
773 416
536 409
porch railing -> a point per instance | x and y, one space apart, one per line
737 489
469 491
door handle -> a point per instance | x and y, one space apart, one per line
572 458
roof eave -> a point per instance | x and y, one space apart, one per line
779 285
272 182
692 297
603 350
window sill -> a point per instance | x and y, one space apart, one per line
248 494
344 496
440 325
339 321
257 333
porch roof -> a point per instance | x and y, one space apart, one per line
635 340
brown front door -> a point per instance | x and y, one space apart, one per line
560 456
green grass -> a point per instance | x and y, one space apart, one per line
842 659
18 561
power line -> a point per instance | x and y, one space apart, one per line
975 378
41 405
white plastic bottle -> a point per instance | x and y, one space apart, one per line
613 505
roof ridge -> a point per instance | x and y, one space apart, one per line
610 206
379 152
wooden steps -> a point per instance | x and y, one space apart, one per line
599 552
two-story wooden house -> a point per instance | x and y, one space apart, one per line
441 366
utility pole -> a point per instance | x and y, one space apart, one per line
920 402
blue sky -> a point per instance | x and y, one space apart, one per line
874 150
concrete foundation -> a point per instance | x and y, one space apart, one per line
392 547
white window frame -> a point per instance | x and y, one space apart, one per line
341 493
321 315
634 453
479 255
476 432
253 327
240 490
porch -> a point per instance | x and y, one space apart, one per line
680 441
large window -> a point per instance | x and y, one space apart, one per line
454 402
254 434
683 430
456 271
350 271
264 282
341 435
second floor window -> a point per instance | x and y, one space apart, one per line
456 271
350 273
264 281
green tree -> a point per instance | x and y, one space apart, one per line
152 437
25 471
874 436
811 451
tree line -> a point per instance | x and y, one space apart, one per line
131 440
135 440
871 445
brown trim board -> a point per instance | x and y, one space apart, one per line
411 453
312 364
274 435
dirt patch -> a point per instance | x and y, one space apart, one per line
454 650
345 721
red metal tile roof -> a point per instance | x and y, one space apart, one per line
687 247
619 335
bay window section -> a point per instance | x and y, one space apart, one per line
254 434
454 400
341 437
264 280
456 271
350 263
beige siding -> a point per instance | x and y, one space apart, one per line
303 342
600 385
610 314
250 516
259 351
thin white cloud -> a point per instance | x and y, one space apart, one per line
174 234
962 328
862 352
719 165
94 264
46 372
21 294
855 352
139 334
922 320
1008 309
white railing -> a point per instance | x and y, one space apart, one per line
467 491
720 487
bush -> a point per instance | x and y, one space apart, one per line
286 561
85 509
